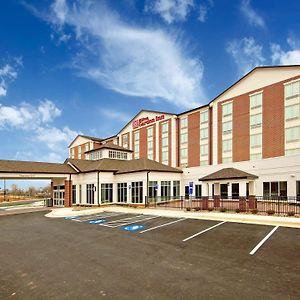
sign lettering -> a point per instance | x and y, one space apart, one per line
146 121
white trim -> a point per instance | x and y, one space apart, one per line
293 81
256 93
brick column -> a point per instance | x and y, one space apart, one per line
68 193
204 202
252 202
242 204
217 200
51 194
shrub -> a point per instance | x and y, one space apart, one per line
237 210
223 209
254 211
197 208
188 209
210 209
270 212
291 213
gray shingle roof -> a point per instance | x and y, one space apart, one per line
228 173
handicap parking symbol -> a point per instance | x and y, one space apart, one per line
72 217
98 221
132 227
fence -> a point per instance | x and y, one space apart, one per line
284 206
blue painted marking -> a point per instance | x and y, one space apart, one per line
70 218
97 221
132 227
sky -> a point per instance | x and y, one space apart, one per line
87 67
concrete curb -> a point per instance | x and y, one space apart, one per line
236 218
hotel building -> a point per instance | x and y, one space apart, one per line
244 143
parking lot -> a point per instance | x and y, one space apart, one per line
136 256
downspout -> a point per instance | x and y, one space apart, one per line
98 188
147 186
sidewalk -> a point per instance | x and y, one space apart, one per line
216 216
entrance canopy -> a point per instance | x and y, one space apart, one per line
228 174
12 169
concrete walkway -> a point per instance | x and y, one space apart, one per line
217 216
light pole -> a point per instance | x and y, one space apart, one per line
4 191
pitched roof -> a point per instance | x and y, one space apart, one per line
109 146
92 138
121 166
228 173
16 166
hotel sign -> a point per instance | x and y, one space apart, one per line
146 121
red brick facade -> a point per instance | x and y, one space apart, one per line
68 193
194 139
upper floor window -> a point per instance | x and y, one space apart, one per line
292 89
256 101
292 112
204 116
204 133
227 109
87 148
227 127
292 134
125 140
256 120
183 123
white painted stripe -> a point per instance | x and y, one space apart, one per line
98 216
263 240
159 226
125 219
119 224
203 231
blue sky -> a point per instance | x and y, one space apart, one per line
69 67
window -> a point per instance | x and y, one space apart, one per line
152 190
292 89
203 162
79 152
183 153
72 153
203 150
122 192
176 188
165 142
227 145
204 117
183 138
87 148
235 191
125 140
136 144
95 155
106 192
292 134
80 193
255 156
204 133
275 190
227 127
198 190
183 123
226 160
256 120
292 151
117 155
165 189
292 112
150 142
227 109
73 194
90 193
255 140
137 192
255 101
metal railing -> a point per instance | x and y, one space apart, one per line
284 206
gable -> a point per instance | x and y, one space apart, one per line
79 140
145 118
258 78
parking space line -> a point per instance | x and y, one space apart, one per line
263 240
203 231
159 226
114 224
92 217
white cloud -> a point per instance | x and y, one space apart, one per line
251 15
134 61
26 116
290 57
8 74
246 53
55 138
115 115
202 13
172 10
